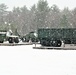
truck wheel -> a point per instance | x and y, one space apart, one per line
43 42
47 42
23 39
16 40
51 43
10 40
59 43
1 41
54 43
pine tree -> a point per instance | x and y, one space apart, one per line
41 14
64 22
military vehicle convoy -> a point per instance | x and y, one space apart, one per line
46 36
55 37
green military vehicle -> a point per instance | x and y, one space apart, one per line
2 36
7 36
31 36
54 37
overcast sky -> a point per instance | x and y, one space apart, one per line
60 3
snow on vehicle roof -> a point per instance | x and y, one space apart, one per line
13 36
3 32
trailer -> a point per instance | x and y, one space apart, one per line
55 37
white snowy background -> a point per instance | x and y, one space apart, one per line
24 60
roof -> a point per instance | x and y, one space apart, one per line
13 36
3 32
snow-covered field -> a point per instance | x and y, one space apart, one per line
24 60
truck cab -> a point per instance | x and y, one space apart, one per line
2 36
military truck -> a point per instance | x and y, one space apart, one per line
55 37
2 36
8 36
31 36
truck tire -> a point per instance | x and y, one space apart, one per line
1 41
59 43
55 43
10 40
43 42
23 39
16 40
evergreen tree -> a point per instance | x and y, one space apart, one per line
73 18
32 18
41 14
3 13
68 14
54 16
25 20
64 22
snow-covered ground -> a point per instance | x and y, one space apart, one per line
24 60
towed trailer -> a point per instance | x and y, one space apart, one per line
57 38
